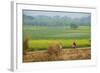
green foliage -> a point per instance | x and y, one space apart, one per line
74 26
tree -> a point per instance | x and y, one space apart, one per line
74 26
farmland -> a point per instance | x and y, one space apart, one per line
38 32
56 35
40 38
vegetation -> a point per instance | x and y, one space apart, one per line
52 35
45 30
42 36
74 26
44 44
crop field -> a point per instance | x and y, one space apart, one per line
56 35
43 32
44 44
40 38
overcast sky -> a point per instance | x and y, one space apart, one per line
52 13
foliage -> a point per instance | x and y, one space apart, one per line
74 26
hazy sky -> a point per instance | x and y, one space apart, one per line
52 13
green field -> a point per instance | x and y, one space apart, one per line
41 32
44 44
42 36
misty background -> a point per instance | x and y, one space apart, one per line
55 18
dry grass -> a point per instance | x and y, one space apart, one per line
66 54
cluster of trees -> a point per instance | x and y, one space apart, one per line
55 21
74 26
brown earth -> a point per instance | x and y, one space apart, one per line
66 54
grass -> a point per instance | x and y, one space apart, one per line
44 44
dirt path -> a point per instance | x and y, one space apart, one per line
67 54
